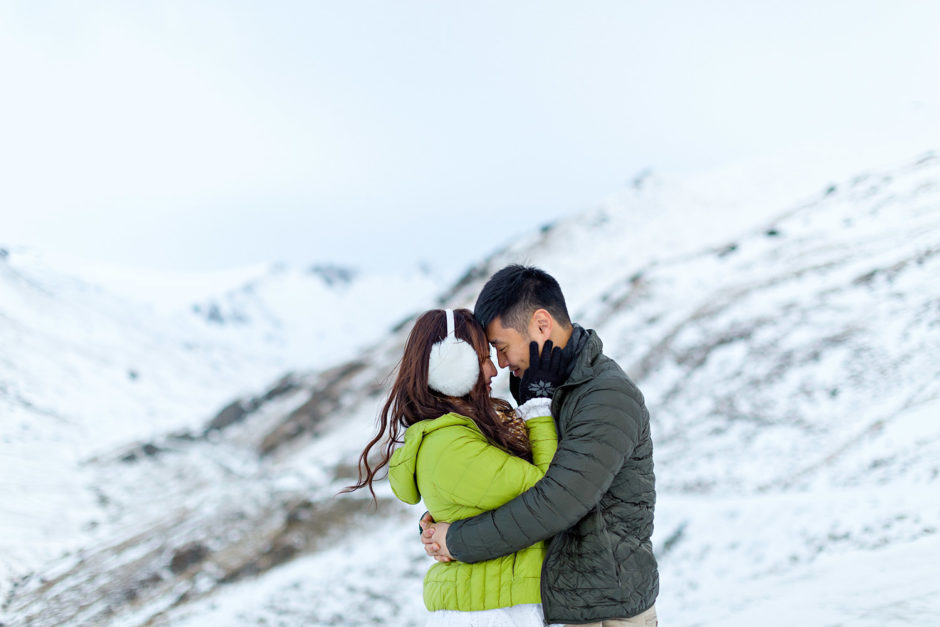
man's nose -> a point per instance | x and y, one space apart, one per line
503 362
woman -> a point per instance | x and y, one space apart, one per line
463 453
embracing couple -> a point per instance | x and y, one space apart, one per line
537 514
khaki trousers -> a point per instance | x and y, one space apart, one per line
645 619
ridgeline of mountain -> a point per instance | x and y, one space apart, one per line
789 357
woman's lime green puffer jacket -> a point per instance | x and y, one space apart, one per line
449 464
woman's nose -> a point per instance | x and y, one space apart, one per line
489 369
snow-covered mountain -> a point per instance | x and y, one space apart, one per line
787 347
87 371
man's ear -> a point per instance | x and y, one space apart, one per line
541 325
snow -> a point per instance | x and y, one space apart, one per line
815 558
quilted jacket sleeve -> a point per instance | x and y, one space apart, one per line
601 432
469 472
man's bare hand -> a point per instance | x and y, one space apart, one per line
434 538
426 521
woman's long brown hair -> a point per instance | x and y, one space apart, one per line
411 400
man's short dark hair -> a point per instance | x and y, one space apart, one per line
515 292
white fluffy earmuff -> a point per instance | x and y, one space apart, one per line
454 366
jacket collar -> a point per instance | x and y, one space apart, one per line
590 349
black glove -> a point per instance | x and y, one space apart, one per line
544 374
514 387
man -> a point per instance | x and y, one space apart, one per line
596 501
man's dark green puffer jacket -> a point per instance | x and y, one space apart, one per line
595 502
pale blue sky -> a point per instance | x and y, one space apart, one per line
211 134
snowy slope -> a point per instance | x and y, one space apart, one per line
787 347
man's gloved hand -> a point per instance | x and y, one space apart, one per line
544 374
